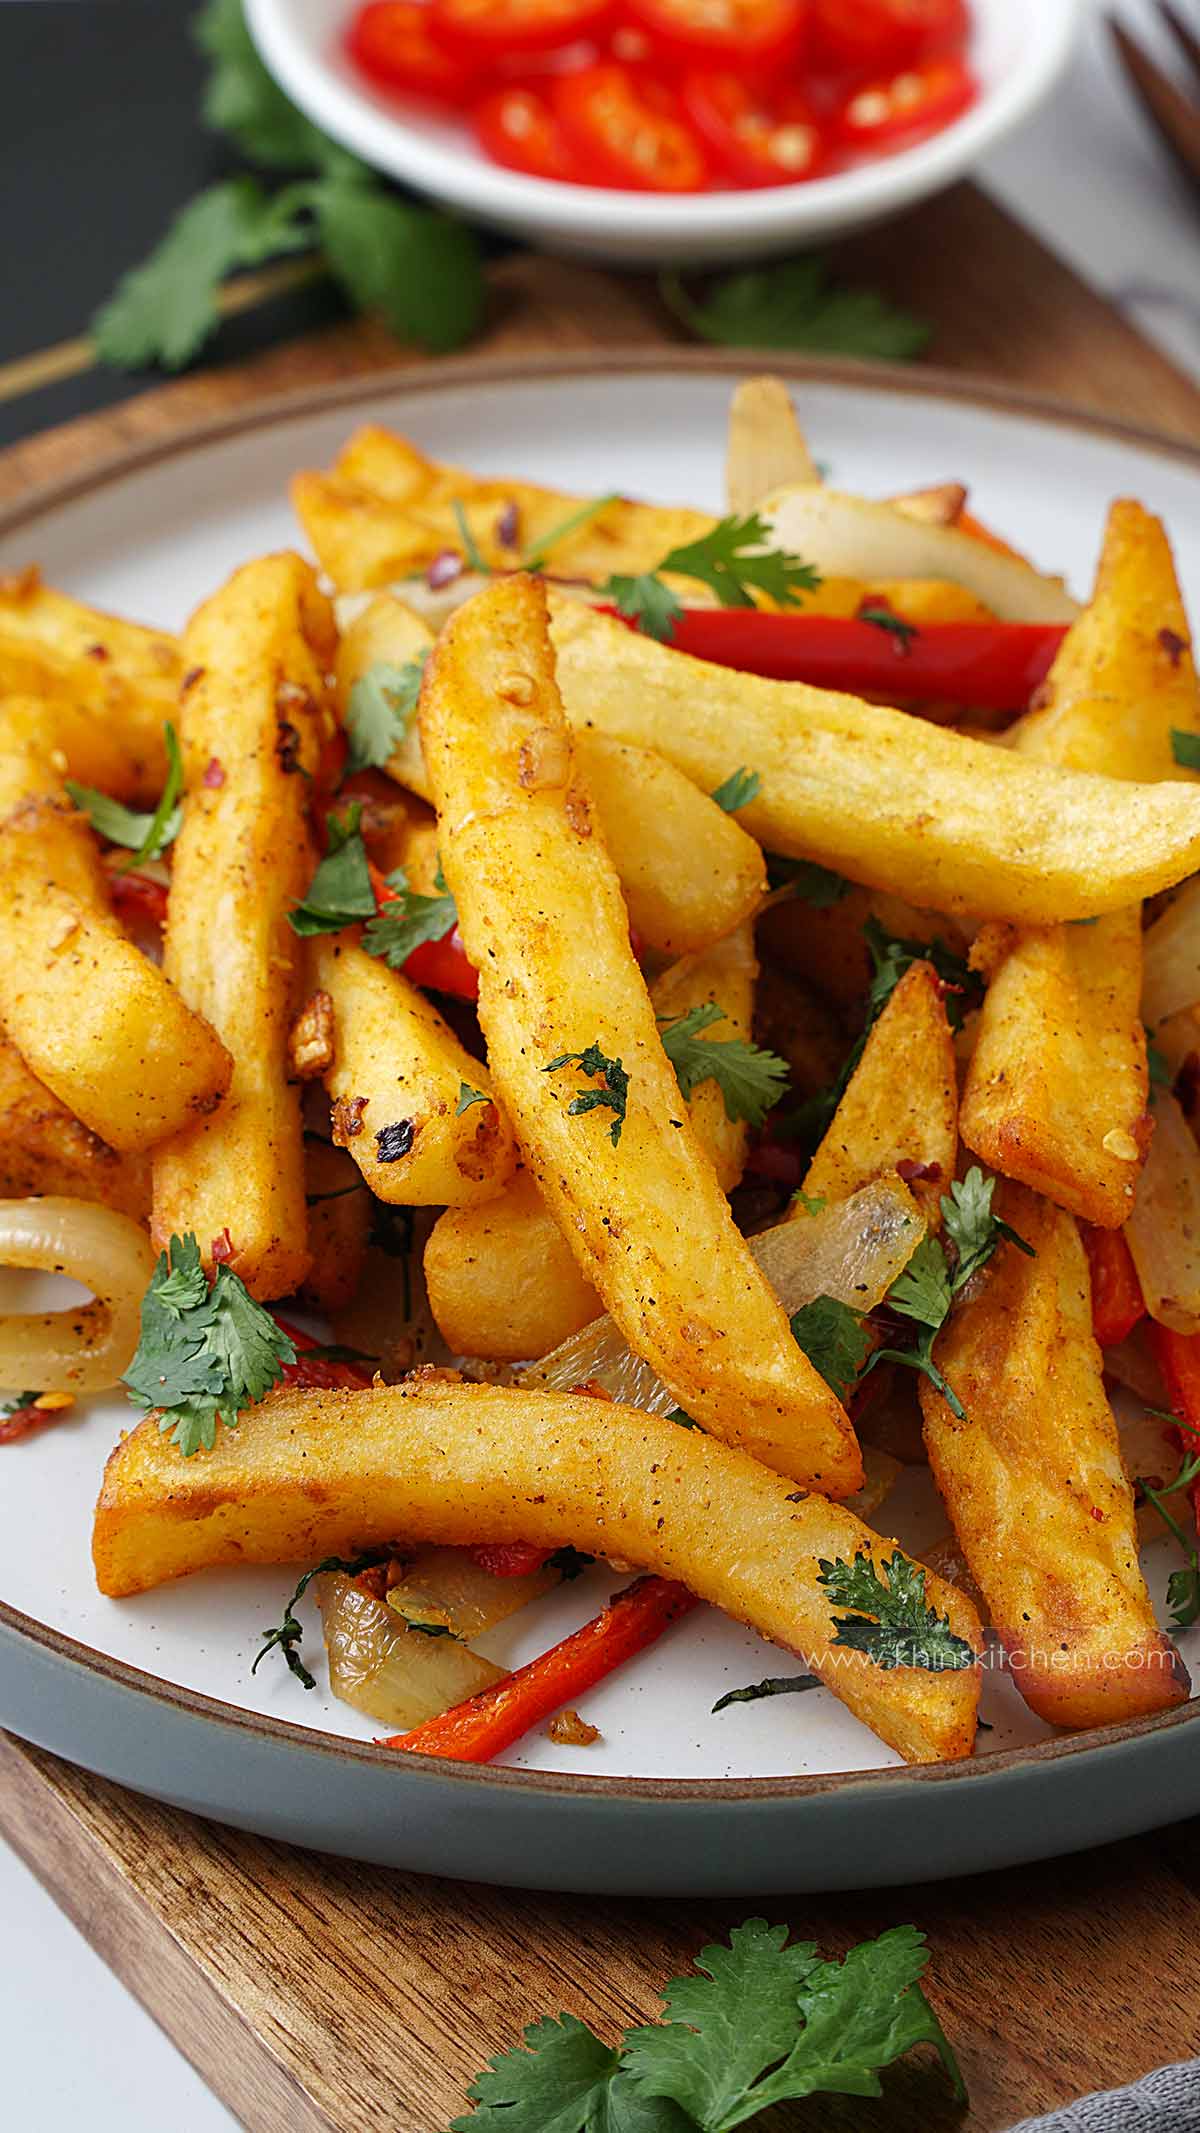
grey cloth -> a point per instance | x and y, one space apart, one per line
1167 2101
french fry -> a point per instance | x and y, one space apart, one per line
44 1148
767 448
460 1464
1056 1095
1034 1483
545 925
502 1278
886 799
93 1019
100 673
339 1227
689 871
397 1081
900 1109
256 710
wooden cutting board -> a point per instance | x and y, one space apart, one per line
318 1996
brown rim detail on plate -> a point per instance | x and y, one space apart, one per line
889 380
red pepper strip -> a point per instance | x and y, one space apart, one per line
487 1724
24 1421
1117 1301
1178 1358
321 1373
137 896
987 666
509 1559
440 965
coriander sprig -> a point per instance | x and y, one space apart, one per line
287 1635
206 1352
1183 1586
892 1623
614 1094
340 892
751 1080
795 304
146 836
380 709
735 560
408 920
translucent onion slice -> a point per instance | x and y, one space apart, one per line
85 1348
852 1251
1171 957
1164 1227
850 537
450 1586
398 1676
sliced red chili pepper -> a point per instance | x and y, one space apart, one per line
509 1559
902 107
1118 1304
627 129
517 128
755 138
740 33
487 1724
138 896
1178 1358
872 34
27 1420
393 43
319 1373
507 29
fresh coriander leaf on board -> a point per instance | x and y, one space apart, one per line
738 789
796 305
418 269
833 1338
379 710
145 835
905 1629
1185 747
407 921
774 1685
205 1352
340 891
751 1080
288 1634
613 1096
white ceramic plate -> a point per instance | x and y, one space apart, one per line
1018 50
158 1691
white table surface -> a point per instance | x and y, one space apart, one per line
1091 179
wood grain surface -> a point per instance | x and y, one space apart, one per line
318 1996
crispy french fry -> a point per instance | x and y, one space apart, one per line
900 1110
545 925
689 871
462 1464
397 1081
502 1278
115 683
94 1020
44 1148
1056 1095
256 709
339 1226
1034 1483
767 448
889 800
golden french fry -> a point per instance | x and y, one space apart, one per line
339 1226
253 720
44 1148
462 1464
889 800
1034 1483
545 925
93 1019
397 1082
767 447
502 1278
900 1109
114 682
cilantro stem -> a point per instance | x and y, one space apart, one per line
534 558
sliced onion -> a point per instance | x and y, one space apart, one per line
395 1675
766 449
850 537
882 1472
86 1348
1164 1227
1171 957
450 1586
852 1251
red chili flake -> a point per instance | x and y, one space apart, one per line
98 651
1173 645
214 773
508 526
444 569
193 675
287 746
1097 1514
221 1249
910 1171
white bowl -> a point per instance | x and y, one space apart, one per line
1018 50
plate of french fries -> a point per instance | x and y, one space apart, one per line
599 1090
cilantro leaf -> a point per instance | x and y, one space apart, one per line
246 1344
646 601
146 836
796 305
972 1228
905 1630
813 1203
379 711
420 270
288 1634
774 1685
833 1339
814 884
614 1094
243 100
893 957
923 1292
204 1353
738 789
1183 1593
751 1080
408 920
340 892
468 1096
1183 1586
736 556
553 2083
1185 747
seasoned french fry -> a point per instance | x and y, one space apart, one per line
339 1226
900 1110
1056 1095
256 709
100 673
1034 1483
44 1148
94 1020
459 1464
889 800
767 448
397 1082
545 925
502 1279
